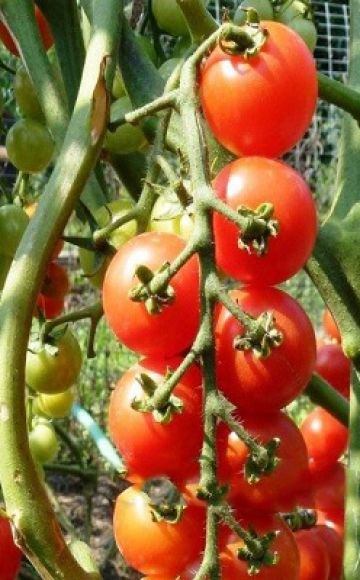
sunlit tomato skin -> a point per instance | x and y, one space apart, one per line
43 442
54 373
333 519
174 328
50 307
10 555
150 448
334 546
54 406
314 558
325 437
264 385
56 283
30 146
329 489
44 30
156 547
330 326
250 182
333 366
267 101
273 490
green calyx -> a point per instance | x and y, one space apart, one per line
213 494
165 501
256 551
300 519
246 40
154 299
259 227
262 462
261 338
164 415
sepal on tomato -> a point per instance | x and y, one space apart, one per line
259 226
258 465
165 501
262 338
257 551
246 40
163 415
154 300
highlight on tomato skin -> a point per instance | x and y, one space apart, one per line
333 366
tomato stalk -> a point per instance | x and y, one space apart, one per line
343 96
36 528
321 393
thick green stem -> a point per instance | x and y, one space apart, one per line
337 93
26 500
321 393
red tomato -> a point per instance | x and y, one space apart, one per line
330 326
50 307
272 491
174 329
10 555
325 437
56 283
150 448
250 182
264 385
314 557
261 105
156 547
333 519
334 367
44 30
329 489
334 546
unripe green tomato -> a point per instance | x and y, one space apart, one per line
181 223
291 10
306 29
54 373
168 67
182 44
43 442
30 146
13 223
5 263
118 88
169 17
126 138
263 8
26 97
117 209
54 406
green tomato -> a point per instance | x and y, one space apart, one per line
54 406
30 146
291 10
168 67
169 17
263 8
169 216
182 44
104 216
26 97
5 263
13 223
50 373
126 138
43 442
306 29
118 88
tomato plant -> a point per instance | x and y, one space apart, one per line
29 145
248 183
13 222
54 406
247 92
44 30
10 555
169 215
126 138
43 442
330 326
25 95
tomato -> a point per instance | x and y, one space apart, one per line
334 546
333 519
30 146
330 326
25 96
104 216
56 283
44 30
54 406
267 101
273 490
156 547
291 9
264 385
329 489
49 307
148 446
50 373
152 334
13 223
333 366
43 442
168 215
126 138
263 8
251 182
314 557
306 29
118 88
325 437
169 17
10 555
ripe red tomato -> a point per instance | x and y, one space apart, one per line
314 557
251 182
334 546
264 385
325 437
276 491
50 307
267 100
330 326
10 555
44 30
156 547
174 328
56 283
334 367
329 489
148 447
333 519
